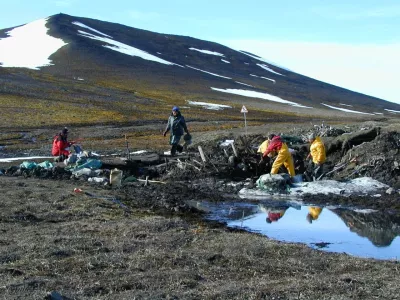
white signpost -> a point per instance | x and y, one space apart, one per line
244 111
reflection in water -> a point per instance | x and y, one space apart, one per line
274 213
355 232
313 213
380 228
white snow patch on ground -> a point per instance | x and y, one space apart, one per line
90 28
346 104
346 110
29 46
254 94
393 111
273 80
225 61
125 49
227 143
358 186
265 67
11 159
211 106
378 113
208 72
207 52
138 152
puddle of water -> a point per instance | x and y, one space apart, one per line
363 233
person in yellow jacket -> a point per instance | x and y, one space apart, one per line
263 147
265 163
317 155
284 156
313 213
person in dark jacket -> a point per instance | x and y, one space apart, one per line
61 145
177 126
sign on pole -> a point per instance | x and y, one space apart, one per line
244 111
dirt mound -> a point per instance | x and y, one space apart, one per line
379 159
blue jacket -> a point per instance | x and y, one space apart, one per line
176 125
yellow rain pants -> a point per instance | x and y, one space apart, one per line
284 157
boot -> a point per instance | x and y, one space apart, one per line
173 150
179 148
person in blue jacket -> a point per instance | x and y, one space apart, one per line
177 126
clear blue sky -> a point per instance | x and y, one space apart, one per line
353 44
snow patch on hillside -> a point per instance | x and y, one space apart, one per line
211 106
273 80
207 52
265 67
393 111
346 110
124 48
29 46
208 72
90 28
254 94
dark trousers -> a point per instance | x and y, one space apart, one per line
176 147
314 171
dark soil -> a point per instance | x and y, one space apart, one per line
144 242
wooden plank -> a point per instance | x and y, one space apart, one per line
203 158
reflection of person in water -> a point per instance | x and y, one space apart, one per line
273 213
313 213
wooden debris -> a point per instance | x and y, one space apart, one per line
203 157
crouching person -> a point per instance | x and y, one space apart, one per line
61 145
284 156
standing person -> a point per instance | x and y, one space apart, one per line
177 125
317 155
284 156
61 145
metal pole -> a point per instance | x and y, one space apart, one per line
245 122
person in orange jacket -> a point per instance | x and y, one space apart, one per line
61 145
284 156
317 155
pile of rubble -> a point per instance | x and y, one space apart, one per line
367 152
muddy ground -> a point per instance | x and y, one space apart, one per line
144 242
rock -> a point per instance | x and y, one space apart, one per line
272 183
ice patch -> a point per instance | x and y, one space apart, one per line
11 159
358 186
